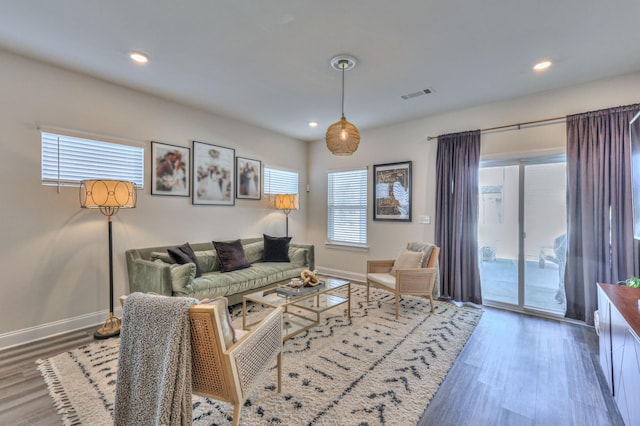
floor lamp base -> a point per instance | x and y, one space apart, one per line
110 328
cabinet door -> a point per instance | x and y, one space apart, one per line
604 312
628 387
618 336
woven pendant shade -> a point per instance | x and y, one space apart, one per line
342 137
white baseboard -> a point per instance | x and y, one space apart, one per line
338 273
32 334
39 332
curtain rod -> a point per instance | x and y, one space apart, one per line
518 125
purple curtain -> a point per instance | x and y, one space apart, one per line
601 247
456 233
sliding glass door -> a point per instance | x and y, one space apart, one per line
522 234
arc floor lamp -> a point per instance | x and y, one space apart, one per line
109 196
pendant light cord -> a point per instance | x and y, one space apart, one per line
343 66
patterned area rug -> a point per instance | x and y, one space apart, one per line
371 370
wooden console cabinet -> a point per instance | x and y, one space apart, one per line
620 346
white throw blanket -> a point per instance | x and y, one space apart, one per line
154 364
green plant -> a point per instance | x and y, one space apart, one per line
633 282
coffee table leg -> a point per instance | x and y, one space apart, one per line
244 313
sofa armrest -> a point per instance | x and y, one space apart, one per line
311 261
378 266
148 277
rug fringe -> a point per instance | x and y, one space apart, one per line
61 402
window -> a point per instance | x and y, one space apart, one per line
347 207
67 160
280 181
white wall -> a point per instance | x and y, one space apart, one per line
408 141
53 255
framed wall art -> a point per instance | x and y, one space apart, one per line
169 169
248 178
392 191
213 174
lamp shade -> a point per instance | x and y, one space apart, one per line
342 137
107 195
286 202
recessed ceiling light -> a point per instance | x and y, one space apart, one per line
313 124
139 57
541 66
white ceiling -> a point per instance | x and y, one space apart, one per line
267 62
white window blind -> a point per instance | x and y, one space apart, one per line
67 160
347 207
280 181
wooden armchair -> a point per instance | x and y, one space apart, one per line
415 281
230 373
222 369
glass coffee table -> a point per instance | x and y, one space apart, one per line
301 308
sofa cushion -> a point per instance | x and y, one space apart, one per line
254 251
224 318
298 256
181 276
162 255
231 256
184 254
276 249
229 283
407 260
207 260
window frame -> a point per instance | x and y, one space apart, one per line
268 180
83 155
362 209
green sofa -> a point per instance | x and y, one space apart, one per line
151 270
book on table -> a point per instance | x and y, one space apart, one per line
289 291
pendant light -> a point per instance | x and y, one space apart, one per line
342 137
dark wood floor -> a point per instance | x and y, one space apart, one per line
522 370
515 370
24 398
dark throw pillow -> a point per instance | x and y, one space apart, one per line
184 254
276 249
231 256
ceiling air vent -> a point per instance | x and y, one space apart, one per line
426 91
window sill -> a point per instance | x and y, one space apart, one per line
347 246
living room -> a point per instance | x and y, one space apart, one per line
54 253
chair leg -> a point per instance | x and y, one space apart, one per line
279 371
397 303
367 291
236 414
431 302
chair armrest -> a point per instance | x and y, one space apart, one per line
376 266
253 354
416 280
